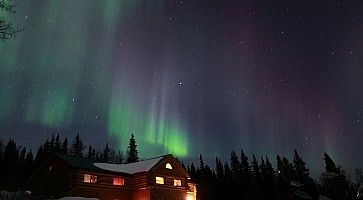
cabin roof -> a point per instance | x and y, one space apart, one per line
131 168
81 163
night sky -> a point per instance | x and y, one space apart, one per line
188 76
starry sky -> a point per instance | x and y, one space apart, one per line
188 76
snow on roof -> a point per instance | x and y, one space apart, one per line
131 168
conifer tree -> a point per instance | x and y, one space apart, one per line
330 164
11 155
77 147
227 170
57 144
301 173
29 157
183 165
263 168
255 167
245 166
235 165
40 154
46 147
201 164
219 168
28 164
106 154
279 164
132 153
22 155
89 154
65 146
269 169
192 171
52 144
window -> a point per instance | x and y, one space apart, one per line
168 166
88 178
159 180
118 181
177 182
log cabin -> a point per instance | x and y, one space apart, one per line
160 178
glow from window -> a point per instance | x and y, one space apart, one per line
168 166
89 178
177 182
118 181
159 180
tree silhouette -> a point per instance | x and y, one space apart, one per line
77 147
235 165
330 164
301 173
65 146
219 169
106 154
132 153
57 144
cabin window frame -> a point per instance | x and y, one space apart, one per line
89 178
121 181
177 182
159 180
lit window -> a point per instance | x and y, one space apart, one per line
89 178
168 166
177 182
118 181
159 180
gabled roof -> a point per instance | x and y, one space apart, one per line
80 163
131 168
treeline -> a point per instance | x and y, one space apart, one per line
240 177
17 164
255 179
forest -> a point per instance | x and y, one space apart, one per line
240 177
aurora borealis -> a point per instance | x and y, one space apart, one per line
188 76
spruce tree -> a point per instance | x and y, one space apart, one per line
132 153
77 147
263 168
89 154
269 169
201 163
192 171
40 154
330 164
255 167
301 173
245 166
57 144
65 146
22 155
119 157
52 144
235 165
219 169
106 154
11 154
28 165
227 171
46 147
